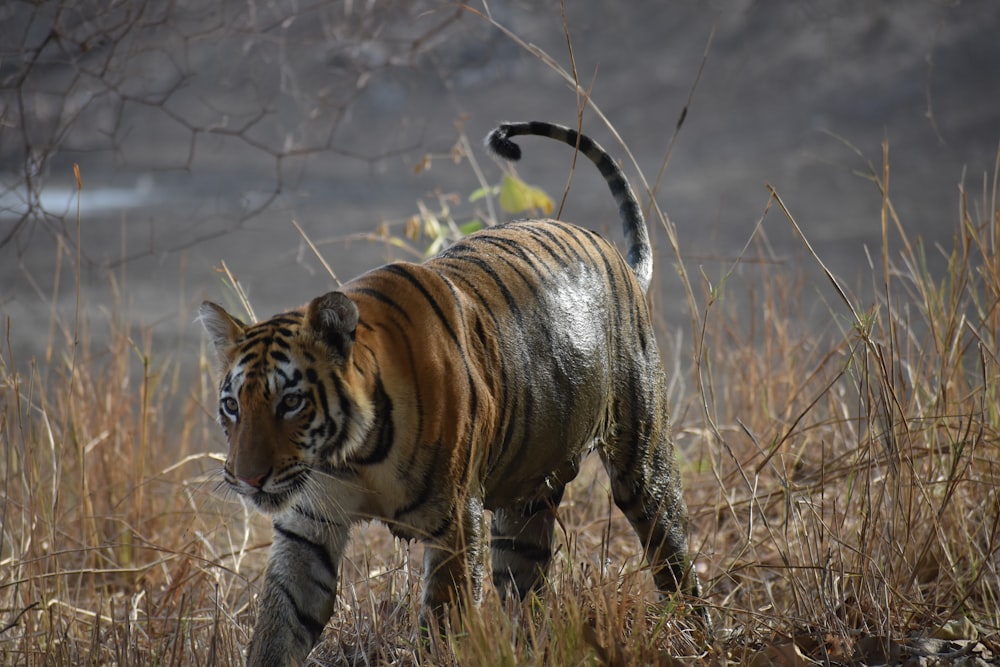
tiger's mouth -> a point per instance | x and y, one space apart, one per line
271 501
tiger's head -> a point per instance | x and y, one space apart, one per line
290 398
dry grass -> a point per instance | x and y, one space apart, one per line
113 548
856 495
843 487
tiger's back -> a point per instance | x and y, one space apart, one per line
524 406
424 394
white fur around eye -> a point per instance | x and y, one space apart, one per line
290 405
230 406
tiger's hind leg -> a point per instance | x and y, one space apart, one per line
646 486
521 545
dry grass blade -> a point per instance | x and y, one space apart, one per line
316 252
104 556
241 295
812 253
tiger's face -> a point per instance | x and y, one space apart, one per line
286 402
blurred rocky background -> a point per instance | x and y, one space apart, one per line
202 130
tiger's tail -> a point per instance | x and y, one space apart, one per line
640 253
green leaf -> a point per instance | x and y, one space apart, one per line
479 193
471 227
435 247
516 196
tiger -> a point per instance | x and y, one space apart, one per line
424 395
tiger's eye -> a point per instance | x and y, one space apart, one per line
230 406
291 402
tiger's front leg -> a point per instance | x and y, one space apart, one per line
300 587
453 566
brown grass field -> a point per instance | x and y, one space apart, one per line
843 481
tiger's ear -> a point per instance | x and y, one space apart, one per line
333 318
223 329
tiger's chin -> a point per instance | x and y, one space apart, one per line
270 503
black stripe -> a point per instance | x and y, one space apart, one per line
516 256
509 398
312 377
447 519
386 432
346 408
514 305
346 411
289 381
637 323
307 513
429 482
523 253
526 550
601 249
486 267
248 358
402 272
416 432
255 333
557 239
383 298
637 450
308 623
318 551
537 327
575 236
402 335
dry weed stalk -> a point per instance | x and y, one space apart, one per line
111 552
856 469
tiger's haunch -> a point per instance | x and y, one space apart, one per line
423 394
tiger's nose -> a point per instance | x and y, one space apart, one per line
256 481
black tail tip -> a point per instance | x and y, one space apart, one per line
501 146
